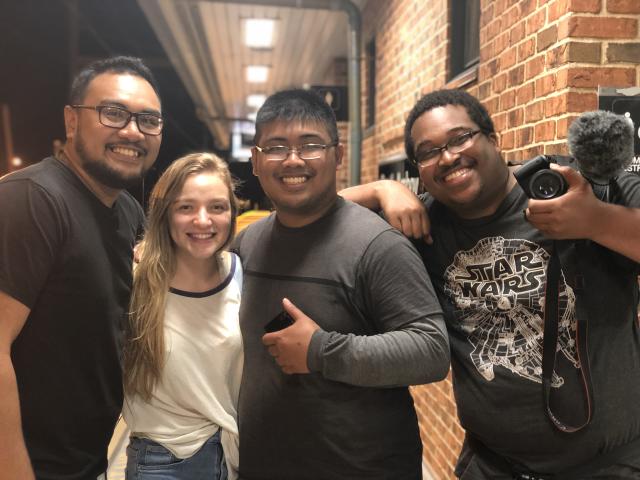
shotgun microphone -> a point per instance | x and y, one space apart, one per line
602 144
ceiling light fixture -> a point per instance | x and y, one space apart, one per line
258 32
257 73
256 100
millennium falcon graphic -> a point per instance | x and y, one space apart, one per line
498 289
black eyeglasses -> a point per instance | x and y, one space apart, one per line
118 117
455 145
307 151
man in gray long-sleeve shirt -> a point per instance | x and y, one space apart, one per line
327 397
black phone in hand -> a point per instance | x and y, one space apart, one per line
280 321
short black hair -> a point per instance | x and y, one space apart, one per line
441 98
296 104
120 64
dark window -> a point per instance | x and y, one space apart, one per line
465 35
371 82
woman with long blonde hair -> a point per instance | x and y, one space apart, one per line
183 357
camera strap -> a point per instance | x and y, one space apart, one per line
550 340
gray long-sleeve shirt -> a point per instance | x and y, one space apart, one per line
381 330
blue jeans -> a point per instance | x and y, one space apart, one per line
148 460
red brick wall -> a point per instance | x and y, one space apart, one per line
541 62
439 428
410 56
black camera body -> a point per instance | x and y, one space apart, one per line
538 180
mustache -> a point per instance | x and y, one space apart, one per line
458 163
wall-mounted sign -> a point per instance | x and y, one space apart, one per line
337 97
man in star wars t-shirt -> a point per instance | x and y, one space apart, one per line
488 262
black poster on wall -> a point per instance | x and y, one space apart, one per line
337 97
624 101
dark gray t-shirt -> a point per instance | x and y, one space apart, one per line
489 274
381 330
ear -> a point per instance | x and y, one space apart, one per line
494 140
254 161
339 154
70 121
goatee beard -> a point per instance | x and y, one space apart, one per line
102 173
111 178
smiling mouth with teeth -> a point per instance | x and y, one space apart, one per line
127 152
201 236
294 180
456 174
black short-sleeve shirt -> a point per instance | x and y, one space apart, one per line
67 257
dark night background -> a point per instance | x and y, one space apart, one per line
43 43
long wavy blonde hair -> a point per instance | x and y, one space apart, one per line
144 349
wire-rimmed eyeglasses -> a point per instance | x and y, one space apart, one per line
307 151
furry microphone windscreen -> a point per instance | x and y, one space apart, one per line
602 144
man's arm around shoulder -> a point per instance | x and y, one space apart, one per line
13 452
401 207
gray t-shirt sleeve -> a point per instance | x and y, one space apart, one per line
399 301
